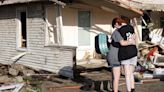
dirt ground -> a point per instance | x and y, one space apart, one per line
146 87
98 81
72 86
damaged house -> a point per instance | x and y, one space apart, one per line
52 34
153 16
25 38
152 33
84 19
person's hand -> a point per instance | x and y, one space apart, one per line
133 36
131 41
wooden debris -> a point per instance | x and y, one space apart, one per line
64 87
16 87
150 80
15 58
42 75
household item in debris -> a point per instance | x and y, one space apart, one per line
138 76
147 75
102 44
159 60
149 65
158 71
156 36
162 43
152 52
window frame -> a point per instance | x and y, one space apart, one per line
90 16
58 36
19 29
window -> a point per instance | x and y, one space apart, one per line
83 28
162 24
53 25
22 29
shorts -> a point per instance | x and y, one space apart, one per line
115 65
131 61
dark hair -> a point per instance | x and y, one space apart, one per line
126 19
117 20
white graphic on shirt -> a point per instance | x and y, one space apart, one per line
129 35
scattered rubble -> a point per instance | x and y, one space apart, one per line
150 68
19 78
14 77
149 63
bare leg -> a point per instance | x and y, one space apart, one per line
128 77
132 76
116 75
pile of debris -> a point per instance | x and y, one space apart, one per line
150 62
17 77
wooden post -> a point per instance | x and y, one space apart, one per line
59 24
138 40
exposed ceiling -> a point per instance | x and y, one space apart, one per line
120 8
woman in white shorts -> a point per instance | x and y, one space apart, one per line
128 56
112 56
131 61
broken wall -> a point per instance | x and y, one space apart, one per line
57 59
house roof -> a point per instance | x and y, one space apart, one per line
150 1
116 5
8 2
156 5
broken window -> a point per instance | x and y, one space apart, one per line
22 29
51 35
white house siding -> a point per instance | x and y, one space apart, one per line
57 59
100 22
7 34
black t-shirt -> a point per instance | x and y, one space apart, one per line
126 52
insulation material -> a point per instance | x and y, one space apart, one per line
156 5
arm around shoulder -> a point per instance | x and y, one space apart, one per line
126 42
